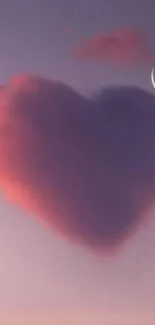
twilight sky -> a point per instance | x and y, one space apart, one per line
42 276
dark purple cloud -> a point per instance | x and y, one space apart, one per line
86 167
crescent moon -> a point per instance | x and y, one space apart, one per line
152 78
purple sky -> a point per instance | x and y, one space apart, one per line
39 271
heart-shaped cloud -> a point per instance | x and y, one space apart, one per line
85 166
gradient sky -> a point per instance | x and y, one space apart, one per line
42 276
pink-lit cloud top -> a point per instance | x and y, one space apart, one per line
124 46
85 166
